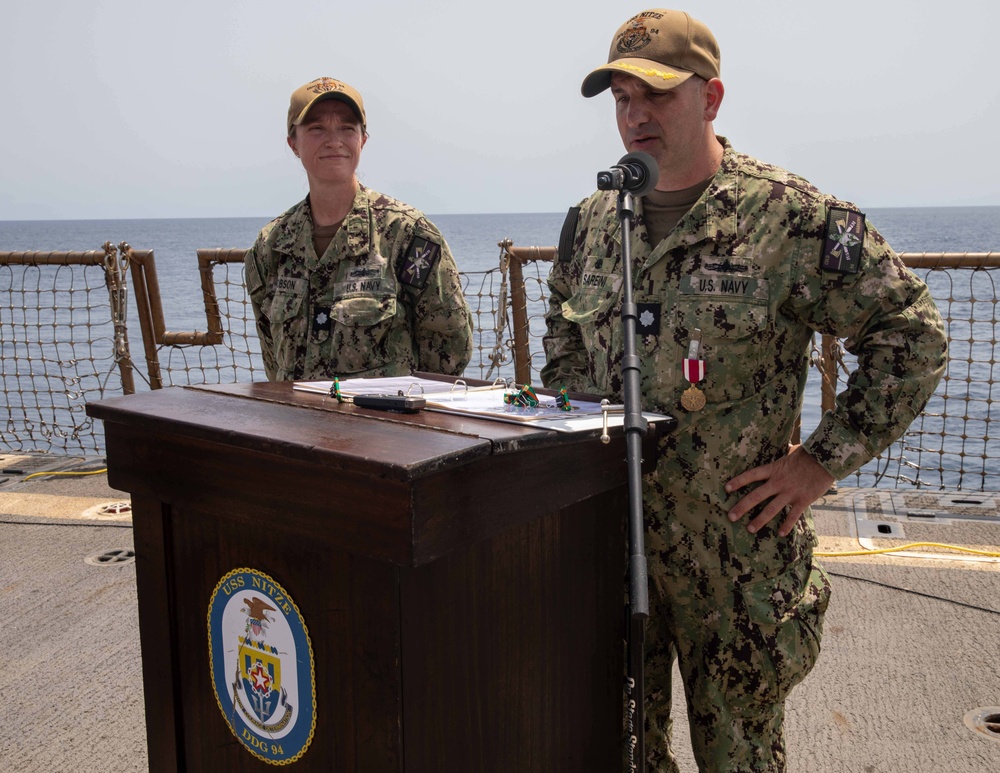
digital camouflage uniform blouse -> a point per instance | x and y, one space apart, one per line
385 299
760 261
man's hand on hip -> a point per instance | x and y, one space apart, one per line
795 481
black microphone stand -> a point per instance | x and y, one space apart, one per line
635 429
635 175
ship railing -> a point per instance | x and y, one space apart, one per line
948 446
227 352
506 302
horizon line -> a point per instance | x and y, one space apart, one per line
268 218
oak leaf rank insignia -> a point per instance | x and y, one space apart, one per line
321 320
648 319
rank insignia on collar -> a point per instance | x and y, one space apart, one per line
419 262
845 237
647 319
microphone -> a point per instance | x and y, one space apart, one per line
635 173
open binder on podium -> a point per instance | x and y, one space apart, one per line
484 401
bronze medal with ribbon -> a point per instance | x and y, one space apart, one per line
693 399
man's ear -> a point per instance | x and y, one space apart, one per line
714 92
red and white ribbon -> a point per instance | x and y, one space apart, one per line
694 370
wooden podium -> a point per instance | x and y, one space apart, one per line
460 580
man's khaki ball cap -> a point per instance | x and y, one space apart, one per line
661 47
304 97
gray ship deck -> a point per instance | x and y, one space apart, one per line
911 652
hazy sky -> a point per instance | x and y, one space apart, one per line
133 109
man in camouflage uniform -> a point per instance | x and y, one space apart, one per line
736 264
350 282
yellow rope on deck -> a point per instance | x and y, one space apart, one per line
911 545
89 472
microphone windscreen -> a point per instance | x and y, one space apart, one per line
647 171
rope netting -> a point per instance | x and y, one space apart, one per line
951 444
238 357
64 341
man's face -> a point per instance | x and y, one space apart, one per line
669 125
329 142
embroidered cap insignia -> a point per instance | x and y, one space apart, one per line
325 85
635 38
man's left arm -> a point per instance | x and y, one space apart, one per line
894 328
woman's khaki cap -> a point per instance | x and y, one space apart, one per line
661 47
304 97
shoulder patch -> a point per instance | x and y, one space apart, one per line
568 234
418 263
845 238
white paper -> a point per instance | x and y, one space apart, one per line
484 402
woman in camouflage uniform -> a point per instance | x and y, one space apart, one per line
350 282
